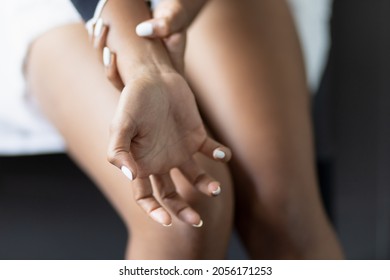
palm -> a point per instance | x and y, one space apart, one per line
157 127
168 126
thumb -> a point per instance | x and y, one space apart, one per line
169 17
124 161
119 154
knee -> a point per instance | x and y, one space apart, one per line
149 240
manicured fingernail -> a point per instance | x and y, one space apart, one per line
89 27
198 225
144 29
154 4
217 191
161 217
106 57
218 154
127 173
98 28
214 188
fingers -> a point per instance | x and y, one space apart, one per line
111 70
99 38
173 201
169 23
143 195
198 178
215 150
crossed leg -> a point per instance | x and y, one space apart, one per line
72 90
243 61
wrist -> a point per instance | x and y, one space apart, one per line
134 55
146 71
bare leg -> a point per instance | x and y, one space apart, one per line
244 62
71 87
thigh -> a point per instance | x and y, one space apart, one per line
244 62
246 68
70 86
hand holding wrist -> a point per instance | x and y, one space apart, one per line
170 17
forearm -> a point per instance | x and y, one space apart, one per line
133 54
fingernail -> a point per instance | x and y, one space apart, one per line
218 154
217 191
214 188
107 57
144 29
127 173
89 27
198 225
98 28
161 217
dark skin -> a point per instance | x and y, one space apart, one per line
261 224
251 89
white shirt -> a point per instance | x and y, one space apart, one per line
24 130
312 19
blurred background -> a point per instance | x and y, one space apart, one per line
352 120
347 51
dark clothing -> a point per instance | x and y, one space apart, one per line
86 8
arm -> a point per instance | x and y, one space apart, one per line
157 125
170 21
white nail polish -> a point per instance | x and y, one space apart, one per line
89 27
218 154
198 225
217 191
106 57
144 29
167 225
98 28
127 173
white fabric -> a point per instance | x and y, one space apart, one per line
23 129
312 21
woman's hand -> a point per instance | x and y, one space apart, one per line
170 17
157 127
170 21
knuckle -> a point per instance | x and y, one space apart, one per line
202 178
170 195
112 156
111 75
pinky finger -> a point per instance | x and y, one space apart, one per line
109 62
